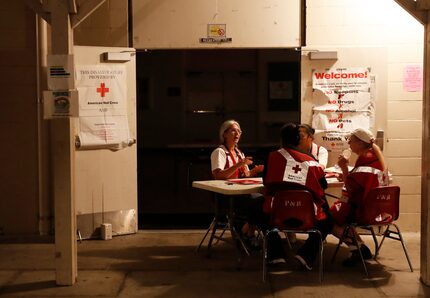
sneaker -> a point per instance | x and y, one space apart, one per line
365 251
277 261
302 262
252 242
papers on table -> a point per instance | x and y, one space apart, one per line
244 181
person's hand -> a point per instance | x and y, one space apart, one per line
342 162
339 177
259 168
247 161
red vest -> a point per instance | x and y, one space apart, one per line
367 174
239 173
289 166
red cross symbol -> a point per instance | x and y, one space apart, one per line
296 169
102 90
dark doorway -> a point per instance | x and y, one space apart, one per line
182 98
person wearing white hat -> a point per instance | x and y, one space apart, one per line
368 173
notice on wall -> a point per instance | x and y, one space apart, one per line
60 104
333 141
340 121
60 72
341 78
413 78
344 100
103 121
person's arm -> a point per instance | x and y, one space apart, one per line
343 164
219 174
218 162
256 170
323 157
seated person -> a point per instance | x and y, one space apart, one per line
279 174
367 173
228 162
308 146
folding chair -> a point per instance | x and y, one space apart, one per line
380 209
292 211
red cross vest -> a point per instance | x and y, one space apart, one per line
292 166
230 161
367 174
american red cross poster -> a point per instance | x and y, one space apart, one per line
103 121
343 99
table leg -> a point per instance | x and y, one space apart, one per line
211 227
234 234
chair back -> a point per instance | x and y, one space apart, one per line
381 206
293 210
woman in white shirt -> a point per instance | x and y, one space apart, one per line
228 162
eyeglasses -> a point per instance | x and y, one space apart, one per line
233 130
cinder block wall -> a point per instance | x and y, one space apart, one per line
381 35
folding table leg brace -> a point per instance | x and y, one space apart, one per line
228 224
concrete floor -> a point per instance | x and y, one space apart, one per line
164 264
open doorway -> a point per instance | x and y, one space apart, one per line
182 98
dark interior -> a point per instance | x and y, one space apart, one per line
182 98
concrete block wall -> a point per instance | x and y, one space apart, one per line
381 35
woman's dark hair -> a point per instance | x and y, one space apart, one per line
290 136
309 129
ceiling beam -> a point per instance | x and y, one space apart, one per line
72 6
423 4
411 7
84 10
40 9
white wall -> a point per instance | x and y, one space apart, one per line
172 24
381 35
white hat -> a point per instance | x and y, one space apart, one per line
363 134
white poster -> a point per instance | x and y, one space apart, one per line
102 106
341 78
343 99
333 141
340 121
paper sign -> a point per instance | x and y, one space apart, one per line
61 72
341 78
60 104
333 141
344 121
103 121
413 78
